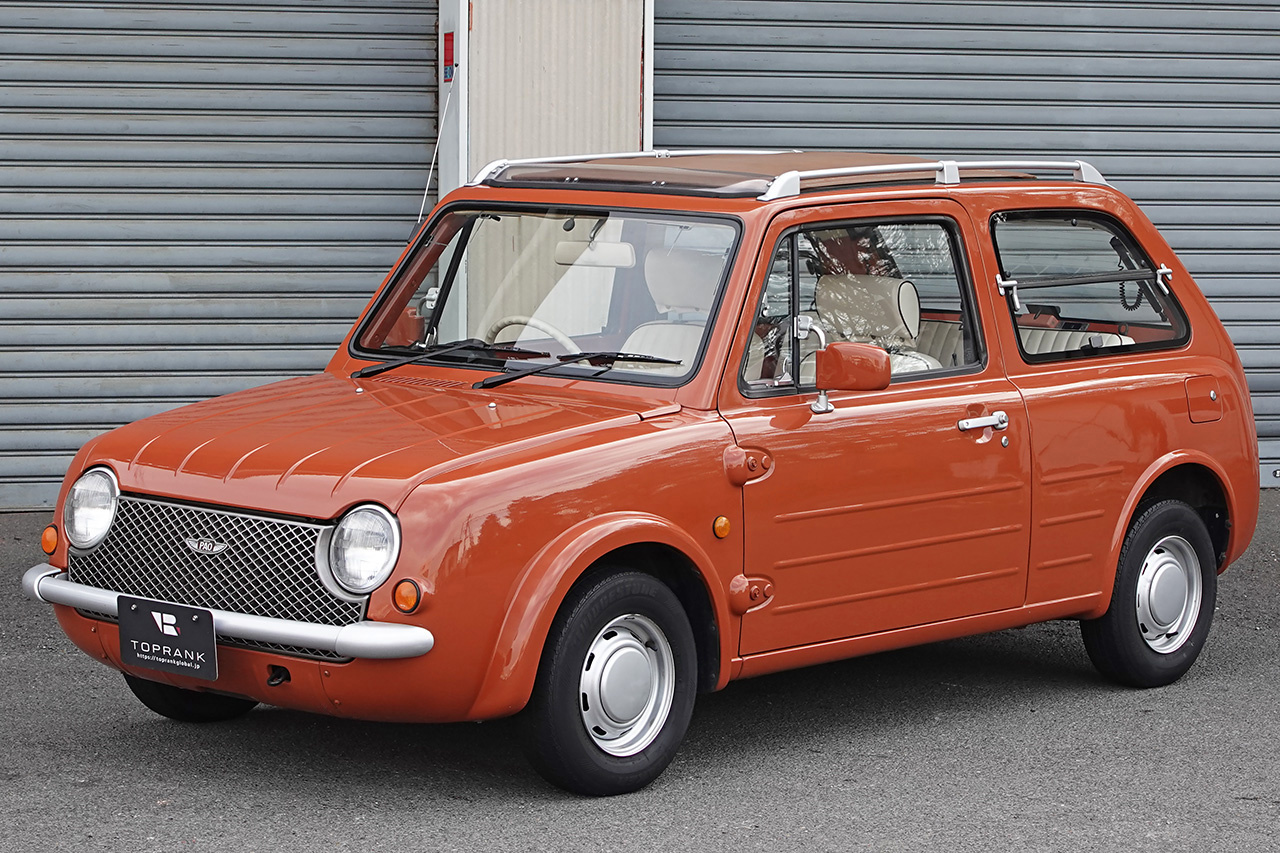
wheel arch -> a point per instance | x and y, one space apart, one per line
1198 486
674 568
639 541
1194 478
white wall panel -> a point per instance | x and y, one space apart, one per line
554 77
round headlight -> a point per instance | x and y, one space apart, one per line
364 548
90 508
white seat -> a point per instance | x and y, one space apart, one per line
683 285
869 308
874 310
1040 341
943 340
675 341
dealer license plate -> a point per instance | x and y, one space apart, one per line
168 637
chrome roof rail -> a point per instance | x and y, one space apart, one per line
498 165
947 172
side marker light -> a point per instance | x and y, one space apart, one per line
721 527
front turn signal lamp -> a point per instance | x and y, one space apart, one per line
49 539
406 596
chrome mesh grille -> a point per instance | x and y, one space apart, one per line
267 569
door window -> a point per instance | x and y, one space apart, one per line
898 285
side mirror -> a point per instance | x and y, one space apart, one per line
852 367
843 366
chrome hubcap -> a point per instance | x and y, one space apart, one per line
1169 593
626 686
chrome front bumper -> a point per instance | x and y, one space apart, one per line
361 640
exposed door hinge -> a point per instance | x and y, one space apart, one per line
742 464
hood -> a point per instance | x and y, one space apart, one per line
316 445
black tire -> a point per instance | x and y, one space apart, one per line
1166 549
651 647
188 706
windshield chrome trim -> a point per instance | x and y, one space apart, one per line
388 285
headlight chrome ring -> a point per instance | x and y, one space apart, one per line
90 508
364 548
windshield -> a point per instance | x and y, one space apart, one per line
555 284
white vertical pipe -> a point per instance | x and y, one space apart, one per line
453 137
646 92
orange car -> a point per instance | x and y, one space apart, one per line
620 429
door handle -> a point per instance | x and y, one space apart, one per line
996 420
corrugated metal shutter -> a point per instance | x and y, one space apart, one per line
194 198
1176 102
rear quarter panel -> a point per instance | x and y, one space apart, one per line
1104 428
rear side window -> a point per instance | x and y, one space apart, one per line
1078 285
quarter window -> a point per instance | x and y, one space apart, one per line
1077 285
896 285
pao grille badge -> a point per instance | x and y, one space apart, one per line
206 546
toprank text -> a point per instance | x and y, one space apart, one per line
152 651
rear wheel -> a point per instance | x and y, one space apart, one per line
188 706
615 687
1162 605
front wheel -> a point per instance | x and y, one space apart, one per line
188 706
615 687
1165 591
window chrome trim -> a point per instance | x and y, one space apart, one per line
356 351
965 281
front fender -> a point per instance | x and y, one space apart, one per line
545 582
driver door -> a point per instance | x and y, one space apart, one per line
885 512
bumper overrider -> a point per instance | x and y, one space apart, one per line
385 640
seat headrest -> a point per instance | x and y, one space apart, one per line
869 308
683 280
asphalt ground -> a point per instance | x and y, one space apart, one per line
1008 741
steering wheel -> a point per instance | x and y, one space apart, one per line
533 323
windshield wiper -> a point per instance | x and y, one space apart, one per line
595 359
467 344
